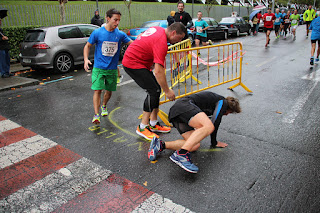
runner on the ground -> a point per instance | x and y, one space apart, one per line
315 37
106 56
286 21
200 26
190 116
268 19
308 16
148 50
277 23
294 18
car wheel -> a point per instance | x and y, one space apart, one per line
238 33
63 62
225 35
249 31
191 39
123 49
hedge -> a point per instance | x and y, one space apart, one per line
16 35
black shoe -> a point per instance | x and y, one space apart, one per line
5 76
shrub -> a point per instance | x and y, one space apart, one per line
16 35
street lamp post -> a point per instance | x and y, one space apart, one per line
97 4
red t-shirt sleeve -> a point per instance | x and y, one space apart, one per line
160 52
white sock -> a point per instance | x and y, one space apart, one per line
142 126
153 123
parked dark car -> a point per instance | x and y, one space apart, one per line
59 47
215 30
236 25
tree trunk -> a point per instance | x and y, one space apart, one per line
62 9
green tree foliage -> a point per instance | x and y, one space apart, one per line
16 36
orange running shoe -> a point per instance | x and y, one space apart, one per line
160 128
146 133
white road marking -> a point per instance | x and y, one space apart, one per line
56 189
265 62
157 203
7 125
300 102
125 82
23 149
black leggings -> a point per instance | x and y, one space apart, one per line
285 28
146 80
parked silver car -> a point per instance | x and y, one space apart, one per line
59 47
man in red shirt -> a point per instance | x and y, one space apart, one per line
268 19
147 51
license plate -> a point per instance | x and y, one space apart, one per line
26 60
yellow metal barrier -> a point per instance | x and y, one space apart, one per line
188 69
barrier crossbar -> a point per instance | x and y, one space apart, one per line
188 68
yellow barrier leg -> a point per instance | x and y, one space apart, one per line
164 117
240 84
245 87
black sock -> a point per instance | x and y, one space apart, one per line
182 151
162 145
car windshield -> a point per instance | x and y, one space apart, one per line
35 36
227 20
150 24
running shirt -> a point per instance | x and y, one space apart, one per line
107 50
315 27
278 19
149 48
286 19
200 25
294 19
283 15
309 15
268 20
208 102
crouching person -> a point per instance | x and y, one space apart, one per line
190 116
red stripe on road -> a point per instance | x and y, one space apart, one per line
2 118
15 135
115 194
32 169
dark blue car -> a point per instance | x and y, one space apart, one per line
135 32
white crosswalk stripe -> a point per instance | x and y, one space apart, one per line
7 125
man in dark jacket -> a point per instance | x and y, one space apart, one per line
96 19
190 116
182 16
4 55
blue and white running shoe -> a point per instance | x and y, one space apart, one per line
154 148
184 161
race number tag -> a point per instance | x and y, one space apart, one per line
287 20
294 21
277 19
268 18
109 48
199 29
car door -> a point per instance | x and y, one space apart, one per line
86 31
72 41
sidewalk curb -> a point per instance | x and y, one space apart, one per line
16 82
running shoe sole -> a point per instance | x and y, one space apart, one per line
96 122
181 165
151 153
155 130
142 135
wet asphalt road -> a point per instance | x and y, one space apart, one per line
272 163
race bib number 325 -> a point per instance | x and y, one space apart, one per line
109 48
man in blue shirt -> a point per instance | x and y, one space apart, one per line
277 23
106 56
200 26
315 36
